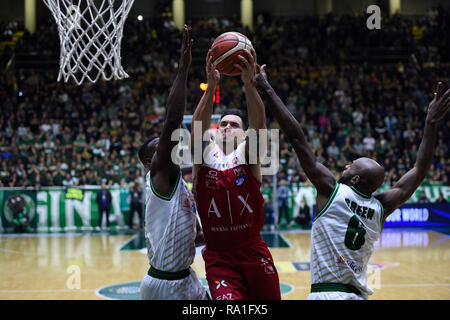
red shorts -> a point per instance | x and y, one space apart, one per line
244 274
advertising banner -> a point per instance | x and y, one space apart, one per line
59 209
308 193
18 211
420 215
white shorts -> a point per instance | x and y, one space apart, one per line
335 295
189 288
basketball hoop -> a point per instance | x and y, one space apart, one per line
90 35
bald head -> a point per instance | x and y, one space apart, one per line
365 174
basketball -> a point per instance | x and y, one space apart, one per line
225 50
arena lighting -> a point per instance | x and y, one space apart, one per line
217 95
203 86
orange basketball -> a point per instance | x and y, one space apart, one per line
225 50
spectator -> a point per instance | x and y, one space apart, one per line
283 194
348 152
390 121
136 204
358 146
323 121
380 128
423 198
266 191
303 217
369 142
269 218
104 204
357 117
441 199
333 150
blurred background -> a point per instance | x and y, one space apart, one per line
357 92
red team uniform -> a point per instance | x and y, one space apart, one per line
238 263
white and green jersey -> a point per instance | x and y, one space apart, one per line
342 240
170 230
170 227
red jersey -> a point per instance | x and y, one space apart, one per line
229 200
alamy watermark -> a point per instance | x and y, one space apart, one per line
374 21
262 146
73 281
374 278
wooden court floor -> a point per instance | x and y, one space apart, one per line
407 264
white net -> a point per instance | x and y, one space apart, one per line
90 33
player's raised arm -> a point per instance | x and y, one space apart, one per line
203 112
176 103
255 109
255 105
407 184
319 175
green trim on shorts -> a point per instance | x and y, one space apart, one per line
333 287
165 275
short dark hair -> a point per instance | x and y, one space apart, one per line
143 149
236 112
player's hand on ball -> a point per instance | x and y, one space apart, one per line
212 74
186 56
439 106
247 65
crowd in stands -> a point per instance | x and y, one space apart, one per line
8 28
350 105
